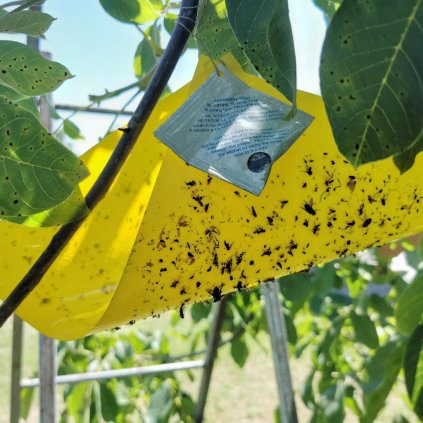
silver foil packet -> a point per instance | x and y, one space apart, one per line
232 131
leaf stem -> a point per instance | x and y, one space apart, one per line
127 141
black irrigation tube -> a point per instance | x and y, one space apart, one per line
183 29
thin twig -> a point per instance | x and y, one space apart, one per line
96 110
140 84
116 117
127 141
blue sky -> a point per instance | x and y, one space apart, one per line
99 51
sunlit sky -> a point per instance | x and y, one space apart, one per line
99 51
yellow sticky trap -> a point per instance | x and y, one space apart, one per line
186 237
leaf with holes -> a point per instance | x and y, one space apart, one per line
28 103
371 78
36 171
131 11
214 34
27 72
263 29
70 210
34 24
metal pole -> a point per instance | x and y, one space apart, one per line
118 373
211 353
48 350
47 346
278 335
15 390
47 380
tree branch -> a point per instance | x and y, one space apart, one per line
174 49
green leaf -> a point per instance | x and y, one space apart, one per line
27 395
214 34
109 406
324 279
28 103
291 330
31 23
131 11
371 78
71 130
405 160
296 287
239 351
144 58
329 7
27 72
382 371
76 400
413 369
37 172
307 392
380 305
263 29
409 306
70 210
200 311
332 403
365 330
160 404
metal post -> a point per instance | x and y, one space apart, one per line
47 362
15 392
278 335
48 351
212 346
47 346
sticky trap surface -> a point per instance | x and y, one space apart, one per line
185 236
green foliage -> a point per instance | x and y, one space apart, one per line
27 395
121 400
409 308
73 208
214 34
148 51
329 7
413 370
27 72
239 351
132 11
365 330
34 24
39 177
263 29
36 175
371 80
71 130
27 103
